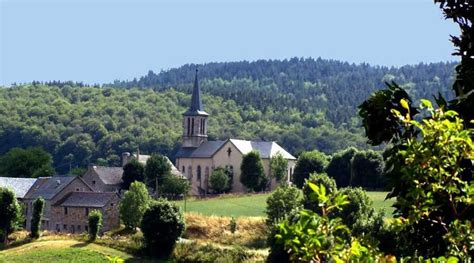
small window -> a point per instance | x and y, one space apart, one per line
65 210
93 182
72 229
183 169
87 211
65 227
77 189
58 228
229 151
111 204
78 228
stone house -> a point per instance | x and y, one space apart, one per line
103 179
198 157
72 212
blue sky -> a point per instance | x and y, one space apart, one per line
98 41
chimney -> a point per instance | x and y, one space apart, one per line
125 158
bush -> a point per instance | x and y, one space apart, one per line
95 224
339 167
134 203
219 180
38 207
318 179
252 173
132 171
174 186
162 225
233 225
281 202
10 212
309 162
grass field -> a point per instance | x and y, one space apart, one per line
254 205
59 251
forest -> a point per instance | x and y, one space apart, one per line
303 104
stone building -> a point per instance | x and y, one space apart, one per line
103 178
198 157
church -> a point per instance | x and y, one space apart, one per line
198 157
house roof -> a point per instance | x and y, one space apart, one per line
86 199
205 150
266 149
49 187
209 148
20 186
109 175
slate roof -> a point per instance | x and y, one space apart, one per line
49 187
196 103
87 199
20 186
266 149
205 150
109 175
209 148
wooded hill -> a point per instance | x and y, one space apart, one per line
303 104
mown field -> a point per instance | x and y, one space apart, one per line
254 205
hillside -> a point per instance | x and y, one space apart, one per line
302 104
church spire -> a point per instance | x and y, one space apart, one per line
196 103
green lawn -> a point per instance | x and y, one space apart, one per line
59 251
254 205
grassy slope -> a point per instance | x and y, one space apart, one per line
58 251
254 205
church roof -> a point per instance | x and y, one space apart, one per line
209 148
266 149
205 150
196 103
19 186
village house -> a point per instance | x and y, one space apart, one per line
198 157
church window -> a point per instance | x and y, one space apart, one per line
229 151
190 172
93 182
206 177
189 126
203 126
198 173
183 170
192 126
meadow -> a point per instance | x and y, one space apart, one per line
254 205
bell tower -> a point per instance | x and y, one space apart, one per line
195 120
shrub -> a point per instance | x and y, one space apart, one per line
219 180
281 202
156 169
319 179
233 225
38 207
95 224
174 186
367 170
309 162
339 167
134 203
279 167
162 225
10 212
132 171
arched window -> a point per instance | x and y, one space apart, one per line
190 172
192 126
189 126
183 170
206 177
198 172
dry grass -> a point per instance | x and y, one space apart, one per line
251 231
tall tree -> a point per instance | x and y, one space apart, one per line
157 167
309 162
134 203
367 170
31 162
278 167
10 212
252 174
132 171
339 167
38 207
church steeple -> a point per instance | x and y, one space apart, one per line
195 119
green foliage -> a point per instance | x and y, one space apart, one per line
339 167
10 212
174 186
233 225
279 167
38 207
132 171
367 170
162 225
95 224
133 205
207 253
308 162
219 180
281 202
310 201
156 169
319 237
31 162
252 174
